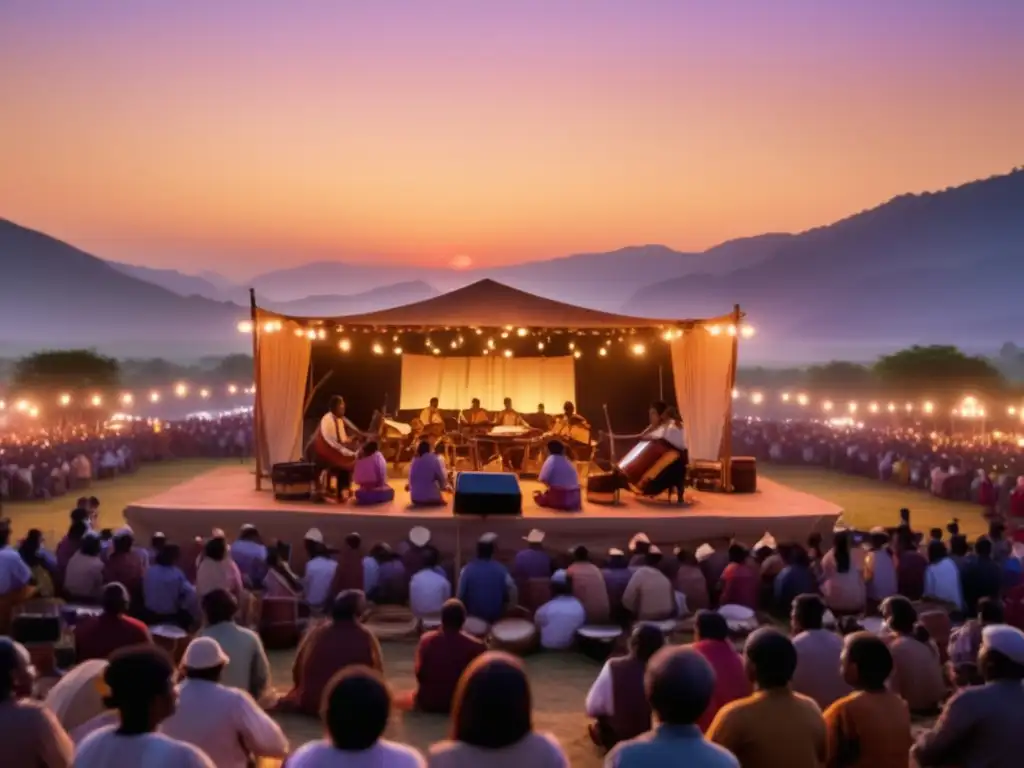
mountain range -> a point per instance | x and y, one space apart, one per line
940 266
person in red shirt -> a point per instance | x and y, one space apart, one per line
711 640
441 658
741 584
125 565
99 636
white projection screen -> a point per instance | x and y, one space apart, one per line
454 381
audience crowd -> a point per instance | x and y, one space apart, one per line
165 656
47 464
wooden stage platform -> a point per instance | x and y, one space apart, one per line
226 498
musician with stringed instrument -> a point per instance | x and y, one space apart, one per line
335 444
658 462
571 429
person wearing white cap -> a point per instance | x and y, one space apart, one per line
223 722
320 568
981 725
560 617
29 732
532 562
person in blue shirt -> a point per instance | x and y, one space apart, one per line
485 585
679 683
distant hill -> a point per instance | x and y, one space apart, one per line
55 295
209 285
368 301
945 267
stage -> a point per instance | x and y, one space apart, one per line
226 498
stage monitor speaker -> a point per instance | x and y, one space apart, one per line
293 481
743 474
487 493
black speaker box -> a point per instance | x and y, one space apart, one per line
488 493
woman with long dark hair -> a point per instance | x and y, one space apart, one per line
492 721
843 584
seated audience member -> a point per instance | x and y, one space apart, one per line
392 586
484 584
560 617
280 581
639 546
216 570
30 735
981 577
69 545
97 637
371 477
942 578
141 688
842 578
247 666
869 728
355 713
532 562
250 555
690 581
879 569
981 725
740 582
168 596
320 570
911 565
616 700
429 588
492 721
965 642
83 580
796 578
774 727
42 570
649 596
220 720
329 648
818 673
441 657
414 548
15 575
711 640
156 543
427 477
125 565
588 586
76 700
349 573
560 479
917 668
678 684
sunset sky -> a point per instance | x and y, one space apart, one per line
246 135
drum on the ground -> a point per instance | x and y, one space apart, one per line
172 639
476 627
428 623
279 622
391 622
518 636
600 633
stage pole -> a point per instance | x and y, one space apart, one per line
257 420
727 433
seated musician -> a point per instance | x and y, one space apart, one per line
509 417
561 482
431 417
371 477
545 419
334 446
666 425
427 477
475 414
570 427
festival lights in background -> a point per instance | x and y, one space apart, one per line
125 400
964 407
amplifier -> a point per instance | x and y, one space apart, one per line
293 481
743 474
487 493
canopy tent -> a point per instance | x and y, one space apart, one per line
703 353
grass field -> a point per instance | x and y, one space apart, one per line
560 680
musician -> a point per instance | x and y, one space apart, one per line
432 415
509 417
475 414
571 428
561 482
334 446
667 426
544 418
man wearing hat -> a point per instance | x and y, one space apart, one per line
320 568
223 722
531 569
414 549
981 725
616 574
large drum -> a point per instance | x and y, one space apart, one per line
518 636
645 461
476 627
172 639
279 622
331 456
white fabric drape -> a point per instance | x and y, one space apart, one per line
457 380
702 367
281 391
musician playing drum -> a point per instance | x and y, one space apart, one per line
334 447
666 425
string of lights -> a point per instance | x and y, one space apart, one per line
124 399
965 407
